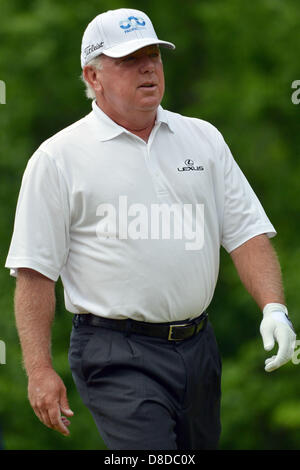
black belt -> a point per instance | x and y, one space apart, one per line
170 331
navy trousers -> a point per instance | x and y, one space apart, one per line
149 393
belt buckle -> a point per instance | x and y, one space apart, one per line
171 329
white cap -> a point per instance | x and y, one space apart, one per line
117 33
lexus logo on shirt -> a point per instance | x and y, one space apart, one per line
189 166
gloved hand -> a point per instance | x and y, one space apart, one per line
277 326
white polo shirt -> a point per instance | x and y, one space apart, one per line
134 229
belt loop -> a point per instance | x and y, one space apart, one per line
76 320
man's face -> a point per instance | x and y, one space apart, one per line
131 84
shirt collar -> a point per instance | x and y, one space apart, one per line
162 116
107 129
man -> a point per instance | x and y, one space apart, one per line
143 353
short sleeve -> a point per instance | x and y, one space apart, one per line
243 215
40 239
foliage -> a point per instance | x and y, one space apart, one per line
234 65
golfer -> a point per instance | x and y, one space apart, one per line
130 206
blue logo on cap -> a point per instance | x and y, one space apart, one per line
132 24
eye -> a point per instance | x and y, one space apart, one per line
129 59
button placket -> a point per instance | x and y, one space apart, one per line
153 169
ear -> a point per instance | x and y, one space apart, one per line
92 76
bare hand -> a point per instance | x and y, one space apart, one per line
48 397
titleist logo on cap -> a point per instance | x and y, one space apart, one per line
89 49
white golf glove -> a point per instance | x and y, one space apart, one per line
276 326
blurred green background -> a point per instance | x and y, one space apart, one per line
234 65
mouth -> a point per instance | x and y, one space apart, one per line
148 85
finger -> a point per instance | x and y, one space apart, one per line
67 411
273 365
285 344
65 421
43 416
46 420
56 421
64 404
52 421
275 362
36 406
268 338
269 359
40 413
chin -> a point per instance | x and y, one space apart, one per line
149 105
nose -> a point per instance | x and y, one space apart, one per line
147 64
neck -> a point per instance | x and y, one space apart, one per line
142 133
141 124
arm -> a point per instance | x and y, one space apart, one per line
258 267
259 270
34 311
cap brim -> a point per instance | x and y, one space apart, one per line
121 50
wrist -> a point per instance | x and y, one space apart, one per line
275 307
278 312
38 369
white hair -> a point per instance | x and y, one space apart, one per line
89 90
